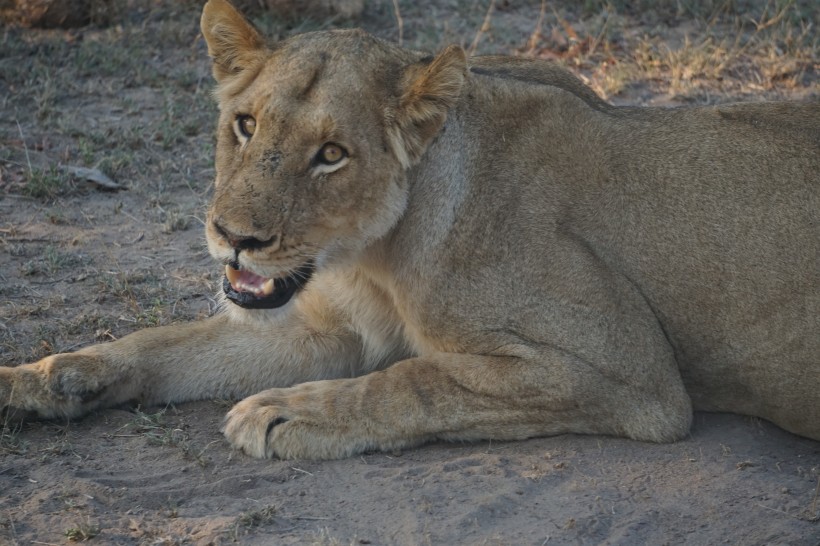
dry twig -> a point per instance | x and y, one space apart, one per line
399 20
485 26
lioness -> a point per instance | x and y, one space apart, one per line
422 248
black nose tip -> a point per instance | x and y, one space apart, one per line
242 242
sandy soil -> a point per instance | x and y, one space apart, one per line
80 264
734 481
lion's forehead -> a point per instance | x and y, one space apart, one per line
341 63
314 82
293 78
352 44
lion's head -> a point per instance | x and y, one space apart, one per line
315 134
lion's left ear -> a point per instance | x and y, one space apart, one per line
427 90
234 44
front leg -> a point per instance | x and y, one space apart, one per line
220 357
457 397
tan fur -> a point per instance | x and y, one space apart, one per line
502 255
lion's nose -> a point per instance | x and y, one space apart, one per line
243 242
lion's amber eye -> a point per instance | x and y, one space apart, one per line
247 125
330 154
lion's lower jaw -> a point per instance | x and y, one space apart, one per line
253 317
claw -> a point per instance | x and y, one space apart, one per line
271 425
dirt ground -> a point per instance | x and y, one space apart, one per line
87 259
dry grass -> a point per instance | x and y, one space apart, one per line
157 430
83 531
10 441
702 52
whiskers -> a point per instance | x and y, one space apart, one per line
301 275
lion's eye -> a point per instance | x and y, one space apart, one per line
246 125
330 154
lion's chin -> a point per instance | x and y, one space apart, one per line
251 291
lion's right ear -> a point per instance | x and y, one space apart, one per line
234 44
427 90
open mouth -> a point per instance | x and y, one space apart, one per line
252 291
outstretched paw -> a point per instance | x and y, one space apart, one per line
5 387
60 385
